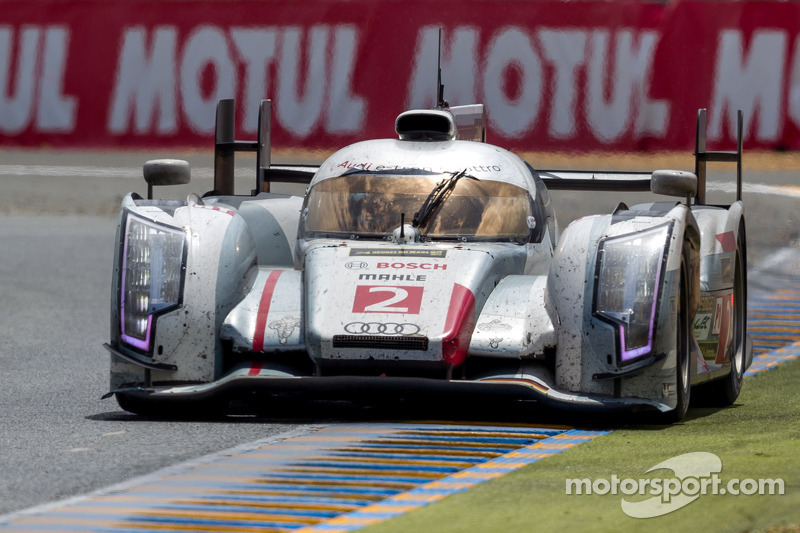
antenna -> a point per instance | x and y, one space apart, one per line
441 103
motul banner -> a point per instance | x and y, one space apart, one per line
579 75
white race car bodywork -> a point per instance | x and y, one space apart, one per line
225 294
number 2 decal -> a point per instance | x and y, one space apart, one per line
386 299
386 306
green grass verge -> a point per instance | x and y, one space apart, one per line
758 438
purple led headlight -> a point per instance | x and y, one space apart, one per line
152 276
628 279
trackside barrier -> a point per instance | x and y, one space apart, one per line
553 76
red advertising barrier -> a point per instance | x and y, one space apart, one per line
579 75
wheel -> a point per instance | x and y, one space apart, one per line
724 392
731 387
683 366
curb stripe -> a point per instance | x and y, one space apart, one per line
458 482
312 480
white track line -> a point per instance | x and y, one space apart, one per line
756 188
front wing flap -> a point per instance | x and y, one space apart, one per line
251 377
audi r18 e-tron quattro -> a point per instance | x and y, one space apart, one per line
428 262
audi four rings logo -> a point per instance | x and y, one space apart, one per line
379 328
356 265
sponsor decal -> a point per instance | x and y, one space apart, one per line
726 269
381 328
413 266
392 277
39 100
702 326
285 327
387 299
704 321
151 73
350 166
356 265
494 325
396 252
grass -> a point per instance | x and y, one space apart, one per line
757 438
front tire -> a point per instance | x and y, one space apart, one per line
683 356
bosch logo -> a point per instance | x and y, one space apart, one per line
356 265
379 328
414 266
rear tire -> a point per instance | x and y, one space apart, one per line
724 392
732 386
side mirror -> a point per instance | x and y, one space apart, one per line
166 172
674 183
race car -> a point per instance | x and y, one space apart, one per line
428 262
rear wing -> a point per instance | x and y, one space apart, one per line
226 146
588 180
469 122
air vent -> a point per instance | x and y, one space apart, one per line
426 125
416 343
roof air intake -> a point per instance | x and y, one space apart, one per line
426 125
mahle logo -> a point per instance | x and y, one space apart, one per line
693 475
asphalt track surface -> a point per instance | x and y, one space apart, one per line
57 218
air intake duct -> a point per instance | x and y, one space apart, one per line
426 125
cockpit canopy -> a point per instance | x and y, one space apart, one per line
371 204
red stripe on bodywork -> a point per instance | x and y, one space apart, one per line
725 330
458 325
263 309
256 368
727 240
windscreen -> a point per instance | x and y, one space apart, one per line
370 205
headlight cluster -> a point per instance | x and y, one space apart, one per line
629 272
152 276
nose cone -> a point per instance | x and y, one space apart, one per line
390 303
